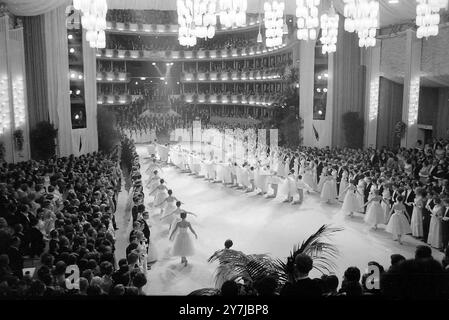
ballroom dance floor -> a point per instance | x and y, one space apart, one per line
256 225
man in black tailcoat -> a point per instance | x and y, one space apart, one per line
426 212
409 199
445 223
319 168
367 190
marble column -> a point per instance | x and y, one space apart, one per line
372 59
306 87
412 80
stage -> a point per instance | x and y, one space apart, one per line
256 225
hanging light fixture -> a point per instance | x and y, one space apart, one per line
233 12
329 30
274 12
307 19
428 17
196 19
259 35
93 20
362 16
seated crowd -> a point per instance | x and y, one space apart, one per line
419 277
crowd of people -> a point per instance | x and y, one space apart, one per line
406 190
58 217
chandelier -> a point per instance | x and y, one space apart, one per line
196 19
362 16
274 13
93 20
233 12
307 19
428 17
329 30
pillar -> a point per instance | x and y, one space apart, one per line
372 95
306 87
412 80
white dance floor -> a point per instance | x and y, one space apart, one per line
256 225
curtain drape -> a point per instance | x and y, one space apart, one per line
36 69
348 80
428 105
441 124
90 94
390 112
57 63
6 130
33 7
306 78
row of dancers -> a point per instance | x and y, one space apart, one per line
270 174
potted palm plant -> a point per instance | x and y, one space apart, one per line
237 266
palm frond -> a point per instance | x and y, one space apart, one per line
205 292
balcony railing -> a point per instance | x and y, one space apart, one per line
237 99
167 29
121 77
231 76
111 99
159 55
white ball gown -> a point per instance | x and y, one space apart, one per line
398 224
183 246
351 203
328 192
435 238
375 214
343 186
386 206
308 178
360 195
160 196
416 221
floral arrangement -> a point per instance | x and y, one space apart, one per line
18 139
400 129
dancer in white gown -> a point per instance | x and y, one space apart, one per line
435 237
417 217
308 177
351 203
375 213
169 204
386 205
183 246
153 181
399 221
152 250
327 191
343 184
160 194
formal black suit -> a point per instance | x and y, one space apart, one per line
366 193
319 169
445 228
15 261
426 218
36 241
304 288
339 176
409 198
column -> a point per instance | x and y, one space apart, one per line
306 78
372 95
411 89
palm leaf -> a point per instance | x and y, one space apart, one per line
205 292
234 265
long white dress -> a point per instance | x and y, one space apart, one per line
435 238
398 224
160 196
386 206
328 192
375 213
417 219
343 186
183 246
360 197
351 203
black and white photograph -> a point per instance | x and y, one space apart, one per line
252 150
